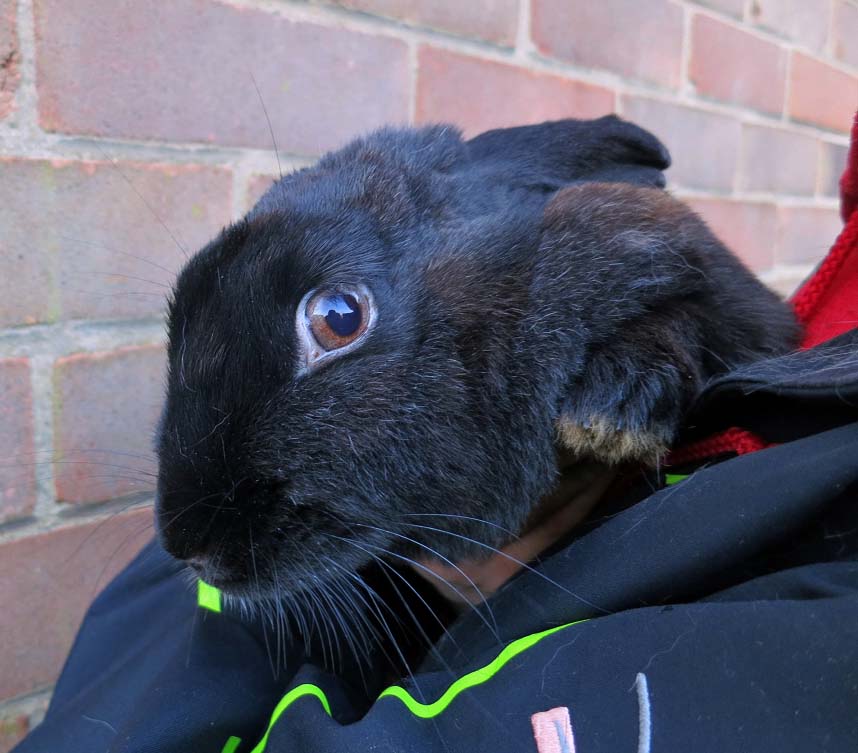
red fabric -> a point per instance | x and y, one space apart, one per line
849 181
826 306
734 441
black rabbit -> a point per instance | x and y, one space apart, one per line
414 324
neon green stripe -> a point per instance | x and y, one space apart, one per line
208 597
674 478
231 745
422 710
477 677
286 701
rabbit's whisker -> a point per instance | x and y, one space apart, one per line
94 244
434 553
42 463
433 574
106 519
519 562
139 531
267 120
115 163
405 665
357 590
86 274
512 534
259 592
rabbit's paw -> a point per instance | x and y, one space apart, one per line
599 438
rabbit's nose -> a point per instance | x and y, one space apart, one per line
198 563
188 549
210 571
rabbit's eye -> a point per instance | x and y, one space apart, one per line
331 322
337 319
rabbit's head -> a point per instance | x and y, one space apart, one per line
378 360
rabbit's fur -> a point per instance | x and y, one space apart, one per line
533 286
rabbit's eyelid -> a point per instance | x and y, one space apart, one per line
311 355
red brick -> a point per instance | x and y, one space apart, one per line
12 731
821 94
748 229
72 231
844 32
17 469
778 161
730 7
488 20
797 20
704 145
832 163
48 581
106 409
641 40
181 71
257 185
806 234
10 58
730 65
480 94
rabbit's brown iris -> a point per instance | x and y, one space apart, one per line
337 319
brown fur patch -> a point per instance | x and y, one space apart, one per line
645 206
603 442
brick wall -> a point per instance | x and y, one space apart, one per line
130 132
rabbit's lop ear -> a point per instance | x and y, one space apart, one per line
640 304
558 153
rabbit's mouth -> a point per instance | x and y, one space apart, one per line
276 555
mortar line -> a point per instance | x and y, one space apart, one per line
74 146
71 515
685 86
357 21
413 80
524 44
84 336
44 404
25 115
786 110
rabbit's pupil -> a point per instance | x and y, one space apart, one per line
343 315
336 320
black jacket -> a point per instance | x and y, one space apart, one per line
718 613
